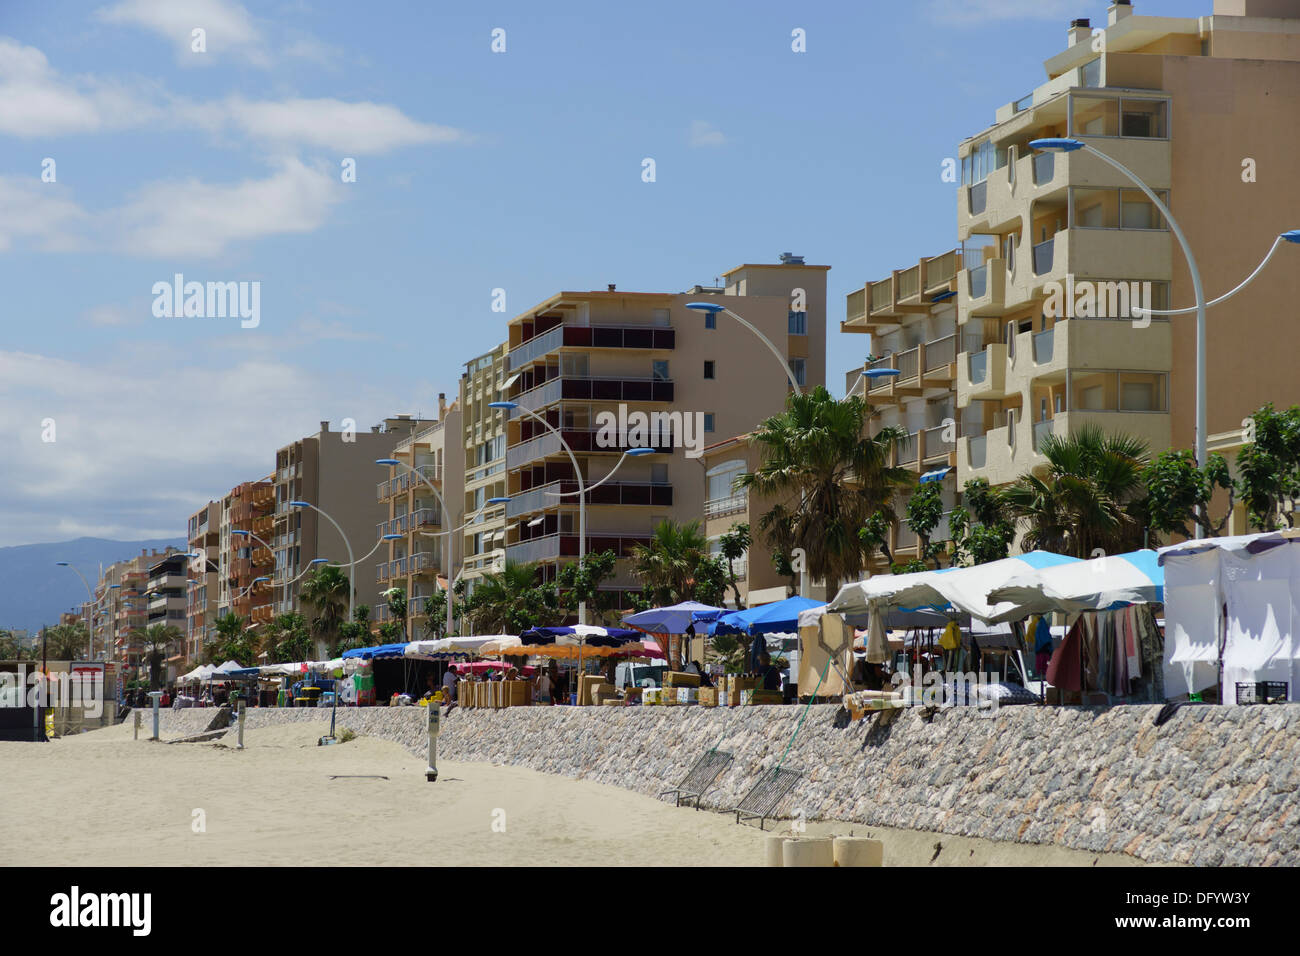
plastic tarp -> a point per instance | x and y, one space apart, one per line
1098 584
964 590
1241 594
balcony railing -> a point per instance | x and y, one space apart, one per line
596 389
979 451
728 505
1043 346
907 449
659 494
883 381
423 561
882 294
908 364
940 270
978 366
1043 256
1041 430
591 336
552 546
855 306
977 197
936 445
909 282
548 444
940 352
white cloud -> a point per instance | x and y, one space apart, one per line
332 124
228 27
968 11
194 218
40 215
125 466
35 101
704 133
310 327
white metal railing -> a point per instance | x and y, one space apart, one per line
721 506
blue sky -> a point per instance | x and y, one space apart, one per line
475 170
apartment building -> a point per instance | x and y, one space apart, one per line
121 594
336 472
483 444
203 535
166 606
243 558
419 560
910 378
590 362
1203 109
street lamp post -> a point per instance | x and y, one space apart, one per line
582 485
446 512
714 308
1069 145
90 636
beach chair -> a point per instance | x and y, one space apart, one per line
766 794
700 777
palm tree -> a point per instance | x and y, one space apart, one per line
733 546
326 590
228 629
668 566
286 639
397 606
1085 500
156 641
829 477
66 642
508 601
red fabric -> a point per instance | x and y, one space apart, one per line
1064 669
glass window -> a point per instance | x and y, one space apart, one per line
800 369
1141 392
1092 73
710 320
1094 116
722 478
798 323
708 421
708 368
1143 118
660 370
1139 212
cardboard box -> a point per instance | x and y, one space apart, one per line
681 679
650 696
736 682
751 698
708 697
688 695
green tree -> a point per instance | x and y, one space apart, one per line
733 546
1085 499
327 591
830 477
874 533
397 606
923 514
287 639
156 642
667 566
1268 465
435 615
980 529
65 642
580 581
229 628
509 601
1179 493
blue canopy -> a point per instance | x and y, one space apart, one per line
378 651
774 618
244 672
673 619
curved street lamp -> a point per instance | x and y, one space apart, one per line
446 513
714 308
90 632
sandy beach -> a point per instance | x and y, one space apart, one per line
285 801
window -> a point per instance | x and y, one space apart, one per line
710 320
722 479
800 369
708 421
1095 208
1143 118
1108 116
981 161
798 322
660 370
708 368
1092 73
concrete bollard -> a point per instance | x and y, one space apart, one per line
240 744
137 723
774 853
155 696
859 851
809 851
431 772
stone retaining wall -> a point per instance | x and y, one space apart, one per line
1214 785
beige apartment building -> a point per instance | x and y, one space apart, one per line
122 596
483 444
591 362
1204 110
417 562
911 316
336 472
204 539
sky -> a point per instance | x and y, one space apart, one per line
132 151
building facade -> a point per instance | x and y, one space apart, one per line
203 534
483 445
615 370
1056 246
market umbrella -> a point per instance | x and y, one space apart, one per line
673 619
1099 584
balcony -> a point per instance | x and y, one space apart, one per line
553 546
907 451
983 290
731 504
424 562
1084 344
648 337
983 375
935 446
610 493
425 518
548 445
574 388
977 199
388 570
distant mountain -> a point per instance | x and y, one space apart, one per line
34 591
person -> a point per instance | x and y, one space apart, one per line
1042 645
768 672
449 689
695 667
543 688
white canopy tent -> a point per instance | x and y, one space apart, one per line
1095 585
448 646
1232 613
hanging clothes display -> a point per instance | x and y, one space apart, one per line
1064 670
